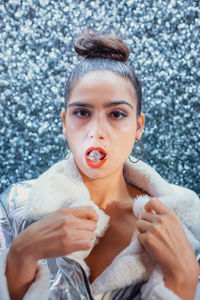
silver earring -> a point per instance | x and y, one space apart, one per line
66 156
140 144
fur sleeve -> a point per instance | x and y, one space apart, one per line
39 289
155 288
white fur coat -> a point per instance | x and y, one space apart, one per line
62 186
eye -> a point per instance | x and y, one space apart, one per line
118 114
81 112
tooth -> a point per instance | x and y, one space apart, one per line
94 155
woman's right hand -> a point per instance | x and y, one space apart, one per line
57 234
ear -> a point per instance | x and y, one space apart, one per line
140 126
63 115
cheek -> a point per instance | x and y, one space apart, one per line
124 141
126 131
72 128
74 125
72 135
70 125
76 141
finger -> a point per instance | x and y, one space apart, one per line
86 224
143 226
157 206
86 212
84 235
80 245
142 239
149 217
83 245
149 243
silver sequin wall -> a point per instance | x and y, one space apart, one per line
36 56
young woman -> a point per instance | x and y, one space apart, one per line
98 225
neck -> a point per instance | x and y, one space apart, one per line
104 191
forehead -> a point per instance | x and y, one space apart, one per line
102 84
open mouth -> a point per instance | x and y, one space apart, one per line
95 157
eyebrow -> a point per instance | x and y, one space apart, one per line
82 104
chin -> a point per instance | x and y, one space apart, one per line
97 173
93 173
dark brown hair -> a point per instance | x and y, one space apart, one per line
103 52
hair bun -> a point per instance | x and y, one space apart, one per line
95 45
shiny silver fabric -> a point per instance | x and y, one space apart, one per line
68 279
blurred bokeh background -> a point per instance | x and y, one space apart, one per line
36 57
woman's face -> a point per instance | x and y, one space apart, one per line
101 123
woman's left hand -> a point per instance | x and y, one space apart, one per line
163 237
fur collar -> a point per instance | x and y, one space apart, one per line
62 186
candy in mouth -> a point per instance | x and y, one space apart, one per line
96 155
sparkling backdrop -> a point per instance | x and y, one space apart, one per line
36 56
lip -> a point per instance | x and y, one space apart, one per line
93 164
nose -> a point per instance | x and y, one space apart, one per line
97 128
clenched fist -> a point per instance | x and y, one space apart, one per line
163 237
57 234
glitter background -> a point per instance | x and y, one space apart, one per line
36 56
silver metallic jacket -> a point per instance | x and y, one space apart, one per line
68 279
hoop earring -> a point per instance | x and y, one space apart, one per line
64 150
140 144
